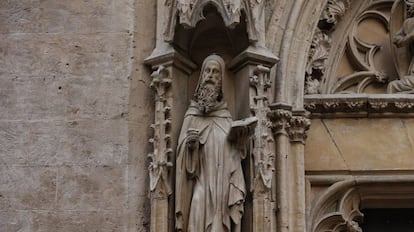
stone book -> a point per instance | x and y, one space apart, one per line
242 128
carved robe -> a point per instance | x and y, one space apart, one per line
210 185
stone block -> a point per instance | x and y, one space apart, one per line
13 148
95 98
92 188
409 127
19 221
87 16
23 188
373 144
321 152
29 98
84 142
76 221
44 55
20 16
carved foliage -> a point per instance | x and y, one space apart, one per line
318 54
263 153
340 213
280 121
334 10
160 165
190 12
321 44
359 105
298 126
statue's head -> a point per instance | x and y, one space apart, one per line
209 92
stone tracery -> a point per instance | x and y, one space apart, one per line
365 66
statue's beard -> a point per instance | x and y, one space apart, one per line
207 97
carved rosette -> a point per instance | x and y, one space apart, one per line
298 127
263 153
160 165
190 12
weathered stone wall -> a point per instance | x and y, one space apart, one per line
72 114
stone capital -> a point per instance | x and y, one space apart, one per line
298 127
280 116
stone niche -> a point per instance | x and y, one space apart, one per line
211 36
188 31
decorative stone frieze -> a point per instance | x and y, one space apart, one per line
298 127
360 105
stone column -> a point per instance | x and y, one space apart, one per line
280 117
298 127
252 69
170 81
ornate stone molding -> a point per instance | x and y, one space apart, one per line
263 153
190 12
360 105
298 127
160 165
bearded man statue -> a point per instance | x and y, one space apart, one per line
210 186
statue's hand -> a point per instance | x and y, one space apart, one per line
193 138
397 40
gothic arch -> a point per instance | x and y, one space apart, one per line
337 208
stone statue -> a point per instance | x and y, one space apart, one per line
210 186
405 38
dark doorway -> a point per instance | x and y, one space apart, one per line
388 220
